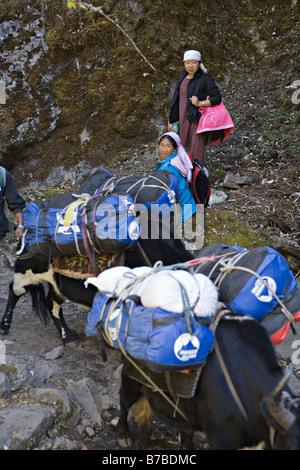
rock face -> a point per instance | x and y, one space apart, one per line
30 113
24 426
57 95
290 249
5 386
63 100
17 64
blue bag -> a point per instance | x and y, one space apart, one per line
243 291
251 293
257 296
161 339
105 223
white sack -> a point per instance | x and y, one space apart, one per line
163 290
141 270
136 278
108 279
208 299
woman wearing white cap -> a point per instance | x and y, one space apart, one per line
192 89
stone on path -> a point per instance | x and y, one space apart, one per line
22 427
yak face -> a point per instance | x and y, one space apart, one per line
282 412
284 421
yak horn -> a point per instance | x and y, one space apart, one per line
277 391
276 407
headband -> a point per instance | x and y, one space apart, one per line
186 164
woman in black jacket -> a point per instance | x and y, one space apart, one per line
195 89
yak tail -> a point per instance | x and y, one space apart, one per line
143 412
39 304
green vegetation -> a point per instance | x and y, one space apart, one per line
226 227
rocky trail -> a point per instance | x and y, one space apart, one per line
65 397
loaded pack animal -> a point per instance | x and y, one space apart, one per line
49 286
205 365
31 274
241 398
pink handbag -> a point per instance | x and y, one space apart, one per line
216 121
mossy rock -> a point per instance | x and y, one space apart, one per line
9 370
223 226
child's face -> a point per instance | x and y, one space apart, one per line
191 66
165 149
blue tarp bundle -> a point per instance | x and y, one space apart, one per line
243 291
108 224
251 293
161 339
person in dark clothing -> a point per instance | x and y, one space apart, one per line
9 194
195 89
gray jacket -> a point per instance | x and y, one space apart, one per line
15 202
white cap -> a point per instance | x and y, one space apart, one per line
192 55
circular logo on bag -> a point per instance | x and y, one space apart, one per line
260 290
134 230
186 347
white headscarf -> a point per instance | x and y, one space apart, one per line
194 55
182 161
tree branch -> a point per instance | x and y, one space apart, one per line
72 4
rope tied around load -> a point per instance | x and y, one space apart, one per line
82 201
229 265
117 306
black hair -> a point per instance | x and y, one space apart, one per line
170 139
